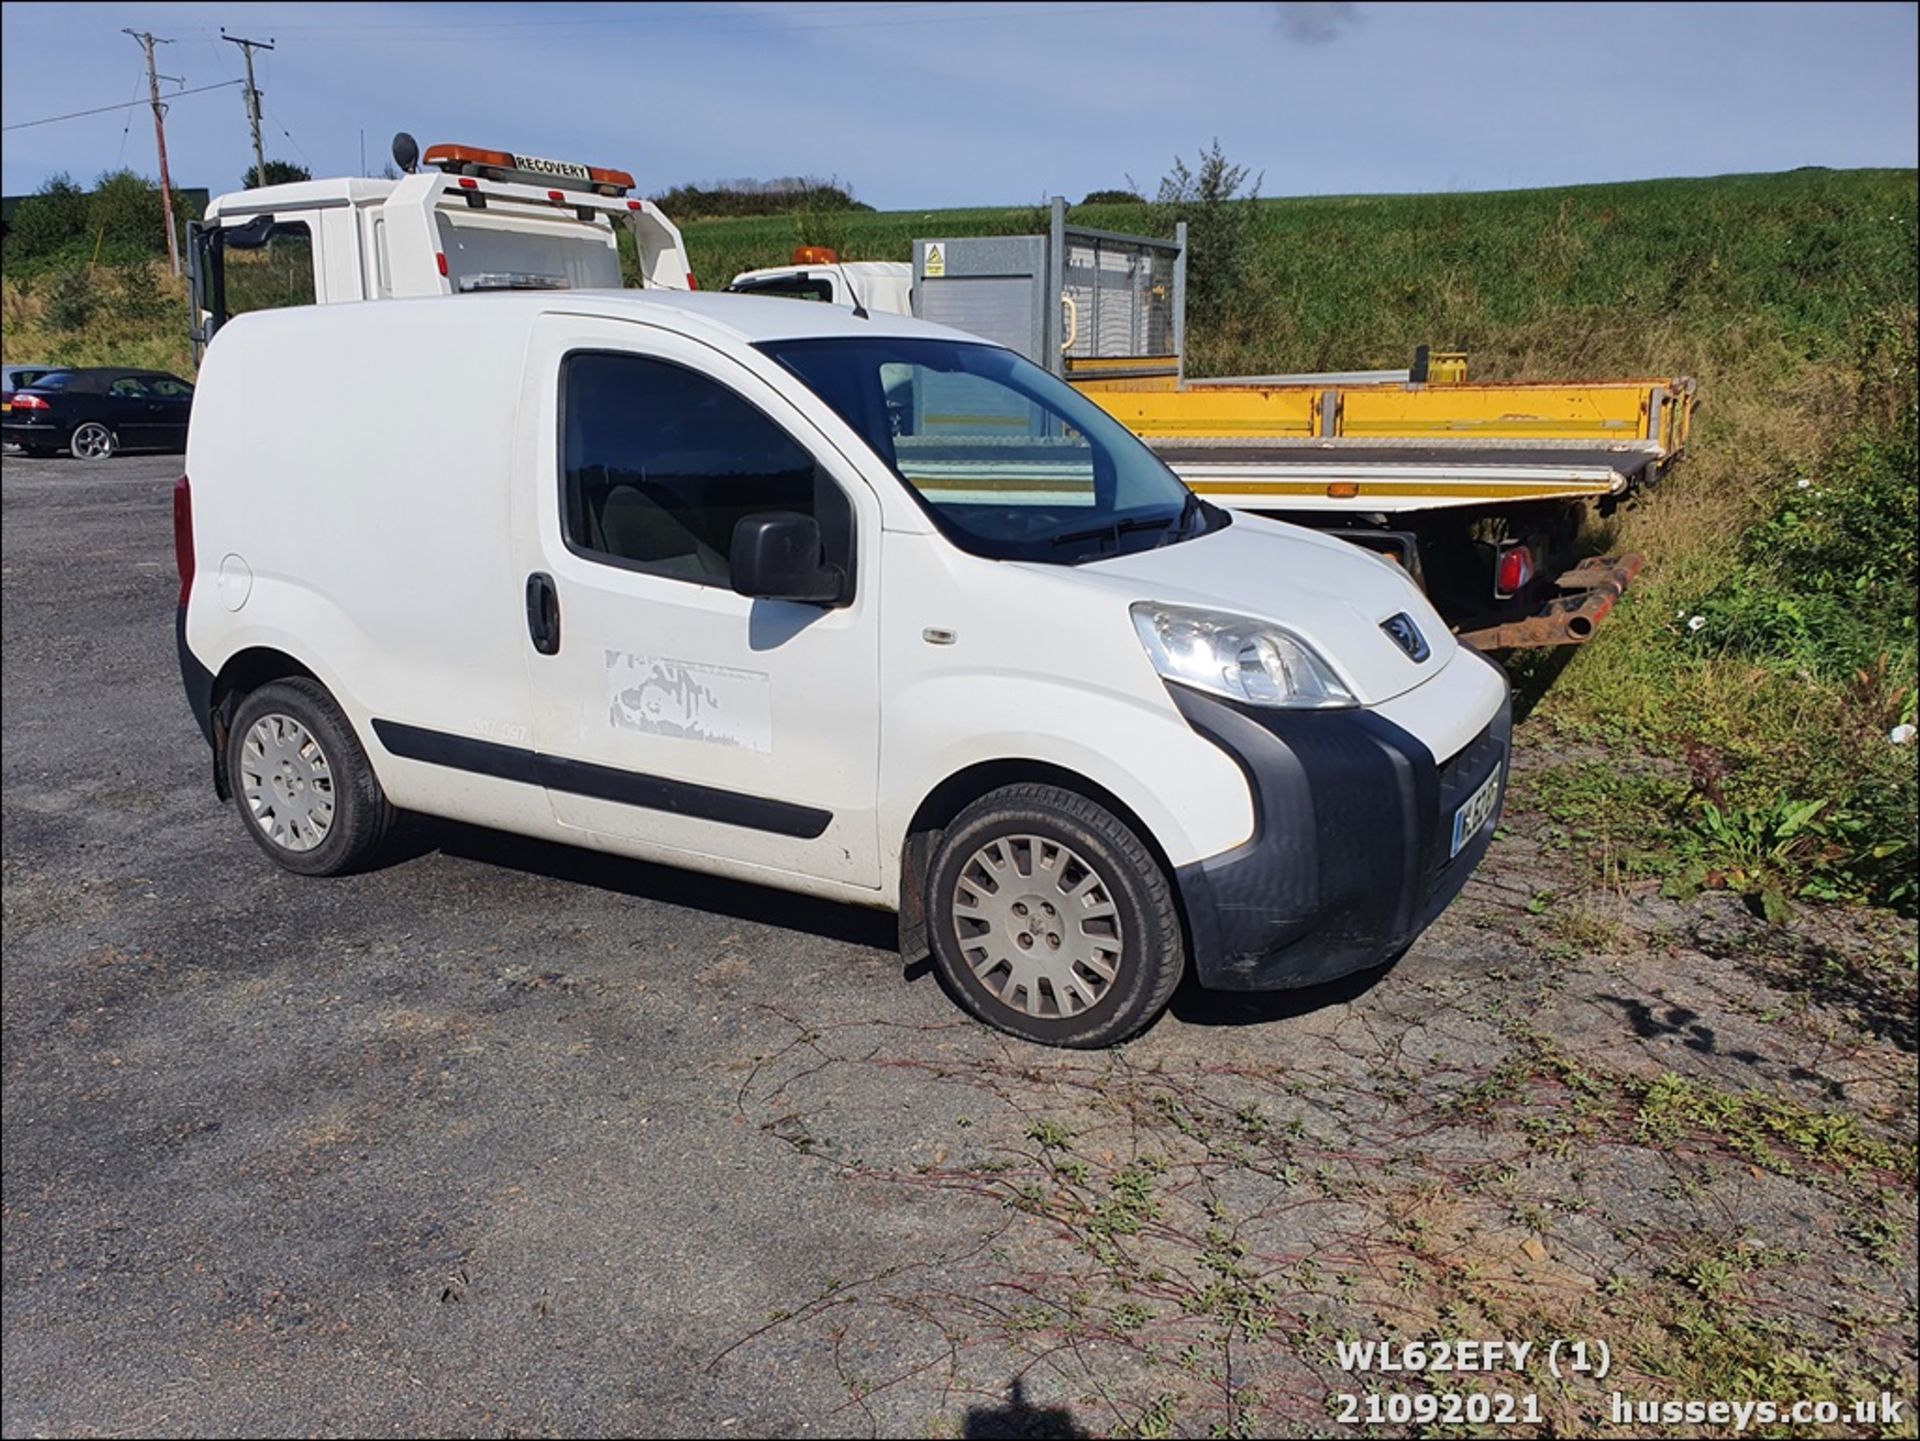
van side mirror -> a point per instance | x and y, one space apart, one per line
777 556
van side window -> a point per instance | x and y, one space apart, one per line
279 273
660 463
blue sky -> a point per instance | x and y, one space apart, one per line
983 103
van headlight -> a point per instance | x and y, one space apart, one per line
1238 657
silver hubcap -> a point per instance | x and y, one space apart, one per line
91 441
287 782
1038 926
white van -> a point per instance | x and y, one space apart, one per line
859 607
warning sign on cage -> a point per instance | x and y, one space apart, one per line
936 261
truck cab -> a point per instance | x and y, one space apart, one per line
883 287
475 220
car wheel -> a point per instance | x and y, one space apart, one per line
302 782
1052 920
91 441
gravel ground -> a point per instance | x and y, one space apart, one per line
510 1138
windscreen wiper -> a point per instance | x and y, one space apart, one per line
1192 510
1118 528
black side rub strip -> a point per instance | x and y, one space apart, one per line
602 783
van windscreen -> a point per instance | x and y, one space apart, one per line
1010 461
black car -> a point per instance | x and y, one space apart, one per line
96 411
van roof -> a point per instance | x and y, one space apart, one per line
751 319
754 318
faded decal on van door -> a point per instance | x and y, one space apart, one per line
689 701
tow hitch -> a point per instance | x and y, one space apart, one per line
1590 589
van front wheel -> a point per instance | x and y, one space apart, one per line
303 784
1052 919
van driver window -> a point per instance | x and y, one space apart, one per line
660 463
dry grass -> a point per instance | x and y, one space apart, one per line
140 318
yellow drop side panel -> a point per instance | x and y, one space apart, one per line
1252 414
1602 410
1496 412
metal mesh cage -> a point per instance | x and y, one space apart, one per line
1119 298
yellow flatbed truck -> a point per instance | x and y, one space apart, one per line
1481 489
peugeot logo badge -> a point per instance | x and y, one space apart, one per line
1407 636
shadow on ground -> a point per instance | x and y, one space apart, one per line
741 900
1020 1418
851 925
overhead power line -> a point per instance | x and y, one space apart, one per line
610 25
546 21
103 109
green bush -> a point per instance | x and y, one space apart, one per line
134 302
72 301
1829 580
125 218
51 220
279 172
787 195
1222 230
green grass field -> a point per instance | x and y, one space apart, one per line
1588 276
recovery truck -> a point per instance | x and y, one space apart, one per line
476 219
1480 489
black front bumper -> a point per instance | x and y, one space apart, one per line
1349 858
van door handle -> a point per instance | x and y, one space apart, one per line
543 613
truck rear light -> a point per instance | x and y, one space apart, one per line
30 402
183 535
692 284
636 205
1512 571
440 259
467 182
558 197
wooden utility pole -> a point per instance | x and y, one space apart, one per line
147 42
253 100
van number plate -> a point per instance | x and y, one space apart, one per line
1468 820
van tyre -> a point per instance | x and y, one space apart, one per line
1052 920
302 782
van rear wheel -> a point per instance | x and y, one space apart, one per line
302 782
1052 920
